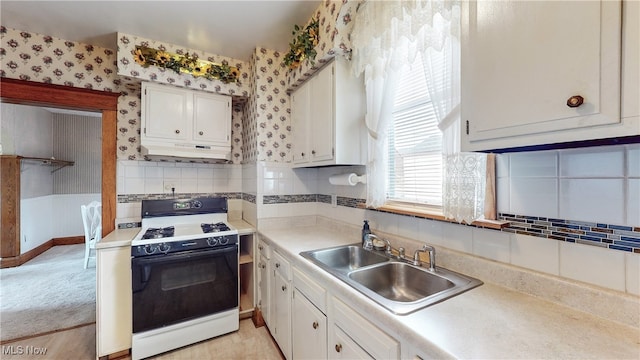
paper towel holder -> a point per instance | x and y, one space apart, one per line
350 179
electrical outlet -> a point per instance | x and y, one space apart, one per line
168 185
334 200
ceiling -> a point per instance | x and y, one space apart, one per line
232 28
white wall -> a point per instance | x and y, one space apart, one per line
35 222
53 216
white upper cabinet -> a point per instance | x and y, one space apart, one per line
328 118
631 61
538 73
166 113
300 121
209 111
183 122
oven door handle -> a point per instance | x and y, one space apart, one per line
145 263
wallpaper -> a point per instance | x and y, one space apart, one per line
335 20
261 125
249 127
129 68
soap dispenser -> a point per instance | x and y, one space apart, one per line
365 231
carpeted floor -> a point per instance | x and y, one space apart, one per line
50 292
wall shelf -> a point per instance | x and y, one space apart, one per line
47 161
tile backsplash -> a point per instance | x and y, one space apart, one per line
597 185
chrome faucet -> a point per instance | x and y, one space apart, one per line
432 256
369 239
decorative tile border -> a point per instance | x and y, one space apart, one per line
249 197
131 198
326 199
129 225
616 237
351 202
285 199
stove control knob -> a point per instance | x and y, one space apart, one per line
197 204
212 241
164 248
149 249
224 240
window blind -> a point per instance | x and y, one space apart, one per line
415 143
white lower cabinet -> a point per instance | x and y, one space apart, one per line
345 347
353 336
309 329
281 297
264 282
113 305
309 322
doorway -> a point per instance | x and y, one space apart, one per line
56 96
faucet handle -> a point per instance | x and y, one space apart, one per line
401 255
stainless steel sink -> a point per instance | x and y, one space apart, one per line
400 287
346 258
401 282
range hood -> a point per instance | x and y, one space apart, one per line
176 152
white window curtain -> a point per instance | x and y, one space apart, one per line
386 36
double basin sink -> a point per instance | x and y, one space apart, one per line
400 287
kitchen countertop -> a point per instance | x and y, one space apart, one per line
489 321
123 237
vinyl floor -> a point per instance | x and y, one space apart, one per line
247 343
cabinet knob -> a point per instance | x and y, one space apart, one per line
302 154
201 133
575 101
177 131
277 265
315 325
313 152
284 287
260 247
338 347
264 266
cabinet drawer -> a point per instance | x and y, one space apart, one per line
264 249
314 292
281 266
373 340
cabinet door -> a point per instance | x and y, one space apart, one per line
345 347
264 289
282 316
113 300
522 61
166 112
309 329
212 119
631 60
359 330
322 114
300 121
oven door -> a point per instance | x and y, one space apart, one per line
168 289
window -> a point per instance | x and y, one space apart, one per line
415 143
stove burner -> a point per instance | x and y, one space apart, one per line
157 233
213 228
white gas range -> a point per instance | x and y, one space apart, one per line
184 265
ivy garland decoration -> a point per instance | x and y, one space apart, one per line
303 45
187 64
